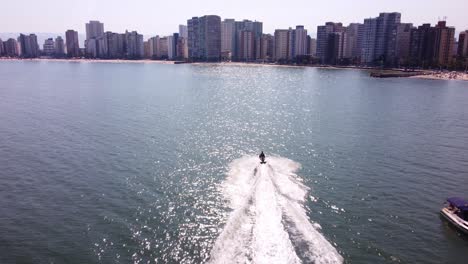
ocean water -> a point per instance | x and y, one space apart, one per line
150 163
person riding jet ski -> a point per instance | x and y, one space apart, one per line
262 158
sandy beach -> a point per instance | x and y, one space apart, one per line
436 75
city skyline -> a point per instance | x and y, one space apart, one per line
274 14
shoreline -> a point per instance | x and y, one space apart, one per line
90 60
424 74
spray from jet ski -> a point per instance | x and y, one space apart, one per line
269 223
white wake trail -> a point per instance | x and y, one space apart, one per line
269 223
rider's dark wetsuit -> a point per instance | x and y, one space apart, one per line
262 156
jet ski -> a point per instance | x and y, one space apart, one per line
262 158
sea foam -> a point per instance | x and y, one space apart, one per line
269 223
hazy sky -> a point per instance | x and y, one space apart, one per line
163 17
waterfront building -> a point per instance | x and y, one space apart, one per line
312 47
335 47
204 38
115 45
49 47
94 29
102 47
163 48
28 47
91 48
183 31
59 47
134 45
95 44
281 43
247 45
73 47
369 41
379 46
432 46
298 45
352 43
386 37
323 38
228 36
422 46
445 39
264 48
2 48
194 38
245 25
147 51
154 47
403 43
172 46
462 48
11 48
182 48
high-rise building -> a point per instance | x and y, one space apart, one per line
323 38
28 46
183 31
247 45
182 48
115 45
49 47
379 46
335 47
254 26
299 42
204 38
432 46
313 47
2 48
194 38
134 45
102 47
73 47
369 40
281 43
422 46
154 47
172 46
445 38
163 51
59 47
228 36
147 50
95 44
462 49
11 48
403 43
264 48
94 29
91 50
352 43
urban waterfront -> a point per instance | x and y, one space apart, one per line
383 41
129 162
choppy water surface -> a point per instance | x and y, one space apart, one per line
148 163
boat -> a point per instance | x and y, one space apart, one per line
456 212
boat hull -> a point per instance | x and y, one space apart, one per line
459 223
